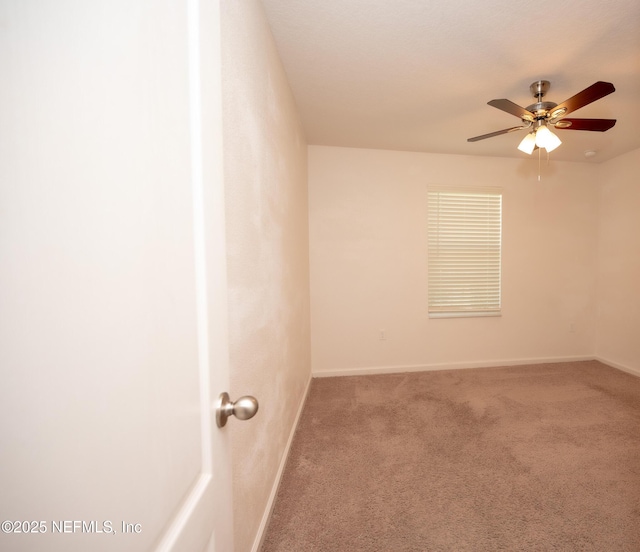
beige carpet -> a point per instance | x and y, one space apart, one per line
526 458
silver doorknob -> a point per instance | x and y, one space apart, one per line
243 409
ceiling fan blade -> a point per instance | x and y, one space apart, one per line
512 108
598 125
497 133
591 94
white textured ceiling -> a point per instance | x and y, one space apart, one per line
416 75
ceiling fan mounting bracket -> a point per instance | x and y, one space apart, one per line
539 88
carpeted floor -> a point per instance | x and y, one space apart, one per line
526 458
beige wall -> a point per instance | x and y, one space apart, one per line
619 263
265 171
369 267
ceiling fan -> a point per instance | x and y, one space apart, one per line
540 115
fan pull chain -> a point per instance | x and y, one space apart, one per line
539 149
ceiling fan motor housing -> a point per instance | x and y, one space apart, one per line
542 109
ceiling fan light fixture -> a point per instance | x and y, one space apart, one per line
528 143
540 116
547 139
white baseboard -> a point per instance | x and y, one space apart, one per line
623 367
372 370
257 543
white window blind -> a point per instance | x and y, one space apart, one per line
464 252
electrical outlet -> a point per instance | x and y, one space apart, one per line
572 327
382 335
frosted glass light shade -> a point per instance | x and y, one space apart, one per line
547 139
528 143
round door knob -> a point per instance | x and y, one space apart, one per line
243 409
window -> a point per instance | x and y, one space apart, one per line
464 252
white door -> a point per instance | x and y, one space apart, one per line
112 290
